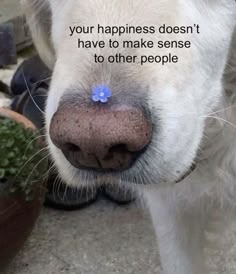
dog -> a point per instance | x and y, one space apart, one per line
167 131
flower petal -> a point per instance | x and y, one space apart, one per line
107 92
101 93
103 100
95 98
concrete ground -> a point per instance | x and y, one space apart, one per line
101 239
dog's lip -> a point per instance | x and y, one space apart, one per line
190 170
111 175
108 174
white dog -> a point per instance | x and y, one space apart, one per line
167 130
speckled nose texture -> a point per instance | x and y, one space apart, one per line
102 138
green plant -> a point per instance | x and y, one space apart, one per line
22 161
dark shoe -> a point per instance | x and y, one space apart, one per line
29 74
119 194
62 197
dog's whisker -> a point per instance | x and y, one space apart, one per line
64 197
47 173
221 110
39 162
31 158
35 133
54 186
3 212
31 94
221 119
43 80
32 141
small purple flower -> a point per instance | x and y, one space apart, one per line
101 93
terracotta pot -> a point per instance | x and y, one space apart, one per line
17 216
5 112
17 219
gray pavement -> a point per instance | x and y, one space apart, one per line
101 239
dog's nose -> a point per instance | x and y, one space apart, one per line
98 137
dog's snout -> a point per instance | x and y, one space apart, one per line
98 137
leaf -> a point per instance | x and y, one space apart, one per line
12 171
19 156
2 173
4 162
10 142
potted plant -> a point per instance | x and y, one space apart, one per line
23 164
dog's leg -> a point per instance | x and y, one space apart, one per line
179 230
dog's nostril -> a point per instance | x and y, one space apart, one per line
121 149
71 147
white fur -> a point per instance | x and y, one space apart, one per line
196 115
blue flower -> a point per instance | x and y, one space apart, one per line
101 93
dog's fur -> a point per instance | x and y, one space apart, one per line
192 114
